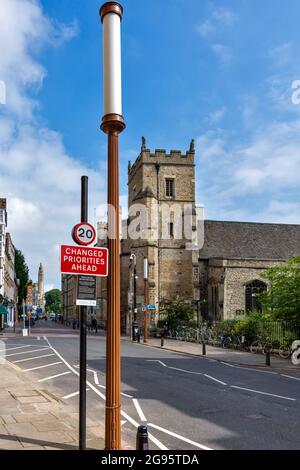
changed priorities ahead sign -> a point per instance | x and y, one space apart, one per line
82 260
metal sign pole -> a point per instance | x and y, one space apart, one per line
82 375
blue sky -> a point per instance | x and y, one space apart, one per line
217 71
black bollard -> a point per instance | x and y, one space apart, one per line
268 356
162 342
142 438
203 349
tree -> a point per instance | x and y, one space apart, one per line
53 301
177 313
282 299
22 273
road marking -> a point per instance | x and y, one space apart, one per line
45 338
159 444
187 371
19 347
27 352
151 437
72 395
123 422
248 368
38 338
95 376
216 380
154 360
126 395
139 410
290 376
42 367
263 393
32 358
53 376
181 438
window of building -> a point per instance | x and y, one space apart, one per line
171 229
251 290
170 187
1 216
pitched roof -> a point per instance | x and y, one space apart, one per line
248 240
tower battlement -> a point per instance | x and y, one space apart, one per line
160 156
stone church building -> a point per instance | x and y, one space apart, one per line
221 275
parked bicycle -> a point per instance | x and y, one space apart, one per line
259 346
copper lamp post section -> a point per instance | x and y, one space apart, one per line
112 124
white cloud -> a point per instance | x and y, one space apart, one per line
224 53
40 180
217 115
224 16
24 29
205 28
220 18
263 173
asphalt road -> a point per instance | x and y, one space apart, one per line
188 402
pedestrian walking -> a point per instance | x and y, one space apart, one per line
74 321
95 324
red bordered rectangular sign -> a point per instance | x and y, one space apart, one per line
84 260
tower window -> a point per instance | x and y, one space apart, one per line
170 186
171 229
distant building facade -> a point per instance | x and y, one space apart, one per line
8 281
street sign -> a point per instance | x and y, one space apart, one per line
144 308
88 261
86 291
151 307
3 310
84 234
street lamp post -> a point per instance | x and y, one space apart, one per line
112 124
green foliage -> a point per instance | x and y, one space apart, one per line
22 273
176 313
53 301
282 299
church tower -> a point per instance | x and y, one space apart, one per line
41 301
161 185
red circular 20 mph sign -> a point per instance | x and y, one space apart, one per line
84 234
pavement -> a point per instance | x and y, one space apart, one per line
32 418
231 356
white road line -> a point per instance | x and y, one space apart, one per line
27 352
263 393
95 376
72 395
42 367
216 380
159 444
248 368
181 438
151 437
187 371
44 337
32 358
38 338
53 376
123 422
290 377
126 395
154 360
19 347
139 410
101 386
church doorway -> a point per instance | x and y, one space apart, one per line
251 290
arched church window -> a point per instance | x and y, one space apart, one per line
251 290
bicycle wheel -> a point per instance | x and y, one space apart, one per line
256 347
284 352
